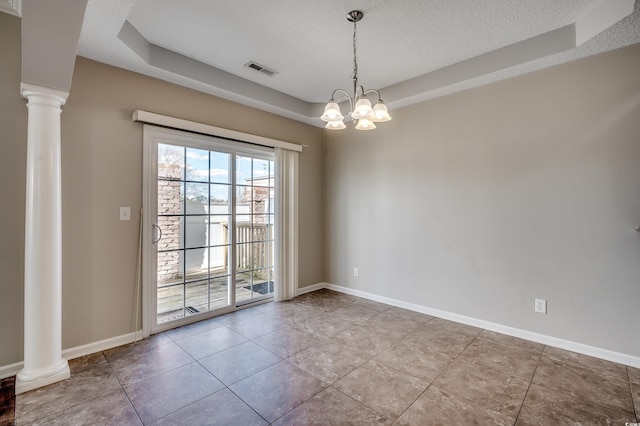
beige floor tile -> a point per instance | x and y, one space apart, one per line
240 315
88 382
418 361
354 314
606 369
370 304
406 314
221 408
584 384
446 341
436 407
239 362
332 358
486 387
634 378
161 395
275 391
365 340
193 329
454 327
109 409
256 326
328 361
325 325
503 339
141 363
518 361
150 344
388 323
291 313
287 341
331 407
208 343
545 406
386 390
327 301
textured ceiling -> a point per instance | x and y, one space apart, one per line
412 50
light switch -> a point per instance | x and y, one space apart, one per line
125 213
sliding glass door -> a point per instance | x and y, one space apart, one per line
254 218
211 216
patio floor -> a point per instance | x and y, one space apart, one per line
204 295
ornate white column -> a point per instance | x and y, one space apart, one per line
43 362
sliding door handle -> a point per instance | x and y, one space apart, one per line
157 234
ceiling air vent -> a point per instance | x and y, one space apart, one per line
261 68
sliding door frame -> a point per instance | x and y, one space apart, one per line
152 136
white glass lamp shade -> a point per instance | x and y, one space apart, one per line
335 125
365 124
362 109
332 112
380 113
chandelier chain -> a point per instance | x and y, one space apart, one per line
355 59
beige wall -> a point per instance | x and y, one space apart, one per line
475 203
479 202
13 160
101 171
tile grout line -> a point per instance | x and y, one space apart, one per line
330 385
194 360
394 343
282 360
445 369
572 367
429 385
529 386
287 361
245 403
122 387
62 411
365 405
323 340
636 409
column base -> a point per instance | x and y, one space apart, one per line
25 384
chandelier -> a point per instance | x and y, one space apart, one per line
360 108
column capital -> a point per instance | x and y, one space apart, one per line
33 92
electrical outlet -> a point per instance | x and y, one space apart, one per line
355 271
125 213
541 306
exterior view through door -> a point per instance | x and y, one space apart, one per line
212 212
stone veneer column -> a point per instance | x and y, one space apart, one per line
43 362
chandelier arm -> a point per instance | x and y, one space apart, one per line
365 92
345 96
333 95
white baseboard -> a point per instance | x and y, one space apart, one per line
310 288
78 351
102 345
630 360
10 370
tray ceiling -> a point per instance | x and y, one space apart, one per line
410 50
